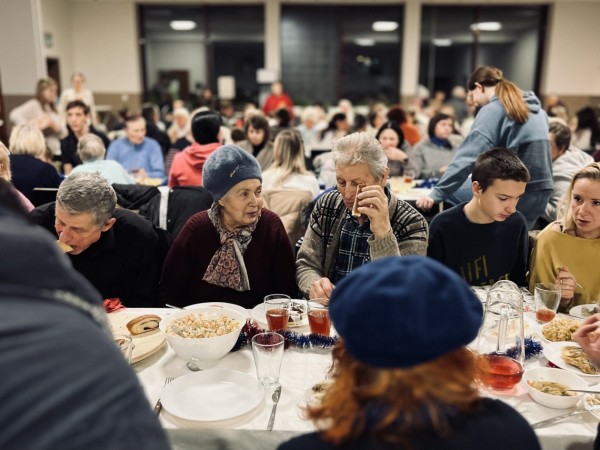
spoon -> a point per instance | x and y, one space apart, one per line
172 306
275 398
193 367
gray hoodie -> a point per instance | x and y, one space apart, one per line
563 169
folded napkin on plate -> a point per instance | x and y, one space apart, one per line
112 304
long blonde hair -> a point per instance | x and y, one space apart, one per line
507 92
288 154
41 86
565 213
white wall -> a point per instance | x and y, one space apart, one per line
22 63
105 48
168 55
57 22
572 56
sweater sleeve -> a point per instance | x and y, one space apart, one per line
459 169
519 271
309 263
156 161
282 269
178 266
410 229
435 248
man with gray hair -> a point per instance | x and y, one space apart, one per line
91 151
359 221
117 250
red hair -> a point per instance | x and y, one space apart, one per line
403 394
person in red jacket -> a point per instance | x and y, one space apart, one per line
278 99
186 169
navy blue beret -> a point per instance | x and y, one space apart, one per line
227 166
404 311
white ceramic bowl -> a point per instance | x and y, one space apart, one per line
203 350
561 376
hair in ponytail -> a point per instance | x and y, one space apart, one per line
507 92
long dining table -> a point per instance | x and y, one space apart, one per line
301 369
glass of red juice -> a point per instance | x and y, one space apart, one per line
277 311
547 298
499 371
318 318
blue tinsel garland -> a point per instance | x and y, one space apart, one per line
291 338
532 348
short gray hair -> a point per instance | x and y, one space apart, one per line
360 148
87 193
90 148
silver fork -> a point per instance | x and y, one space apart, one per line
158 405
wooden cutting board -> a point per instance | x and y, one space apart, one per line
145 344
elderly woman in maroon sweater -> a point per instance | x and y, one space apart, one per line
236 251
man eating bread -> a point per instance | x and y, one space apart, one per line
117 250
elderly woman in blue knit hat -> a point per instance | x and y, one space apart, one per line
402 376
236 251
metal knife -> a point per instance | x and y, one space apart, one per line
543 423
275 398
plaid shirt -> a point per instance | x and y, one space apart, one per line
353 251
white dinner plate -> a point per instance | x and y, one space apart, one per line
235 307
258 314
212 395
578 311
552 352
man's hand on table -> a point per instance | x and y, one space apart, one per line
321 288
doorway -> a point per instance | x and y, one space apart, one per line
53 70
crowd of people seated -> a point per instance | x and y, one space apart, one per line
225 221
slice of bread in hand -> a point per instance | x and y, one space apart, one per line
64 247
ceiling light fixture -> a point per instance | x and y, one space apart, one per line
486 26
365 42
182 25
383 25
439 42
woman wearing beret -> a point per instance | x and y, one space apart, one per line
402 377
236 251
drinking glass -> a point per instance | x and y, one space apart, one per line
318 318
267 349
501 343
277 311
125 344
547 298
409 175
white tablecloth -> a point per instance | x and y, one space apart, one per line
301 369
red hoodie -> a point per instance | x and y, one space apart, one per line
186 169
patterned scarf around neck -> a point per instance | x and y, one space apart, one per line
227 267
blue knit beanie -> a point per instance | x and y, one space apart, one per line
227 166
404 311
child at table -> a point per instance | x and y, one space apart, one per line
485 240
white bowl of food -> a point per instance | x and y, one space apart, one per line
548 386
203 335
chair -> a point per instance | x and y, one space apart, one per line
174 206
41 196
288 205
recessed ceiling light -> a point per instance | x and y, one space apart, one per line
365 42
182 25
486 26
442 42
384 25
